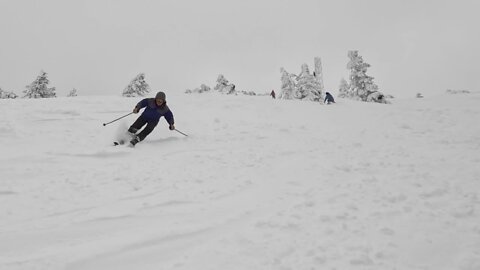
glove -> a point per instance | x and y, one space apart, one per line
171 127
136 109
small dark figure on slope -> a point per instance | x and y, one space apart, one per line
328 98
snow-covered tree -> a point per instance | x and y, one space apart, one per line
73 93
308 88
343 89
137 87
288 88
318 73
5 94
361 85
223 86
305 86
39 88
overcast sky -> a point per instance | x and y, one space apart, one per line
99 46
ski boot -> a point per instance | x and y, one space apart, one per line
134 141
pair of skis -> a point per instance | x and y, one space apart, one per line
121 142
127 138
133 137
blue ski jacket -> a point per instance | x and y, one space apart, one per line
328 98
152 112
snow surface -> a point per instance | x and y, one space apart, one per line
258 184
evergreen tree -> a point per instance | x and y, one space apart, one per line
39 87
288 88
308 88
361 85
137 87
343 90
73 93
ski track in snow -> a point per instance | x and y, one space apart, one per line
257 184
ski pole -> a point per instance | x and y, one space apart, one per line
181 132
104 124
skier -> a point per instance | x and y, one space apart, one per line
272 94
328 98
155 108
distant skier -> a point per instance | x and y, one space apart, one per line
328 98
272 94
155 108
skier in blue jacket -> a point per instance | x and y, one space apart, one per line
155 108
328 98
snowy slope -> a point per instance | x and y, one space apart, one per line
258 184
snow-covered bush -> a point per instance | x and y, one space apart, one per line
223 86
450 91
137 87
248 93
5 94
377 97
39 88
203 89
73 93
